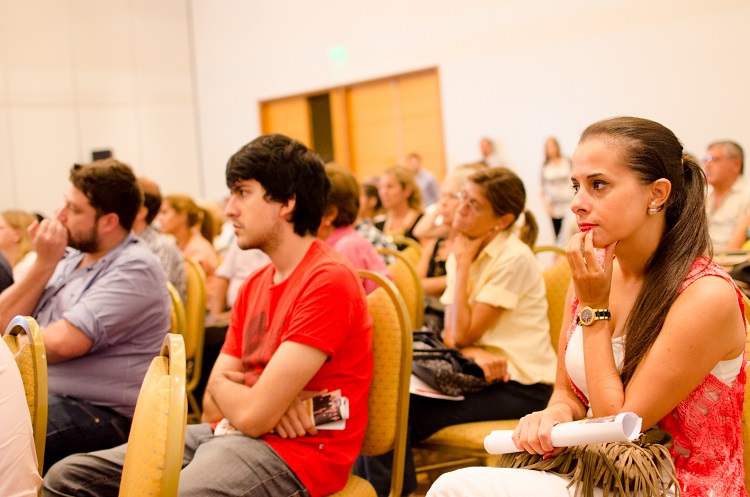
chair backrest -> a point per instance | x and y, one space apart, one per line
548 248
407 280
178 319
557 281
32 362
411 248
195 321
746 405
389 391
157 436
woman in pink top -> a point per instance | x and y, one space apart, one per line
337 229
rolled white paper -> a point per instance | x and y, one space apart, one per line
623 427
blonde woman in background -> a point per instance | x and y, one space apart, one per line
402 202
15 243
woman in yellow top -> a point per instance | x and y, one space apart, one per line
496 313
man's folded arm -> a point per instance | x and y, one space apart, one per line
256 410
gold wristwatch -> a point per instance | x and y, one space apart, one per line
587 316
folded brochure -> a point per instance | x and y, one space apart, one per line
329 410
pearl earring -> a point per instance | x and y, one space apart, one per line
654 209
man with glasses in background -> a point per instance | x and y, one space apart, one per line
728 198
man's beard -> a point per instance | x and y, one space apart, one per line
88 244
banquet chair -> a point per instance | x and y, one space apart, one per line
388 402
411 248
194 332
549 255
178 320
548 248
463 444
31 359
157 435
404 274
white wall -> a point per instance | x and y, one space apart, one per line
77 75
517 71
82 75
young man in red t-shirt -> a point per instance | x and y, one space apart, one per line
299 326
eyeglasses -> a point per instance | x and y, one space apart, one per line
711 158
474 206
454 195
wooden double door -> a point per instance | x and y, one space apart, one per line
367 126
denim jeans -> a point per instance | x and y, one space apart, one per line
426 416
76 426
228 465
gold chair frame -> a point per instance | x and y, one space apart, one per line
32 362
178 319
194 332
157 437
549 248
413 249
409 284
389 391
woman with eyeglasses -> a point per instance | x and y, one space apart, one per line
496 314
436 233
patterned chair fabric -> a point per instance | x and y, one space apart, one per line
32 363
157 436
389 390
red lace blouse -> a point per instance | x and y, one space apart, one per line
707 425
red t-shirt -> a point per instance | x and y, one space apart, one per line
321 304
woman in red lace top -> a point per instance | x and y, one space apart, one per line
652 326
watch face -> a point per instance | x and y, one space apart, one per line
587 316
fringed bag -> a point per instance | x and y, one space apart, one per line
640 468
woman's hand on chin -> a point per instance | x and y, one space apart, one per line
591 279
466 249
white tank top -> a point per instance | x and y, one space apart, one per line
725 371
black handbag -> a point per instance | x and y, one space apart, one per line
445 369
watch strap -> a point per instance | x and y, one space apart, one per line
597 314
